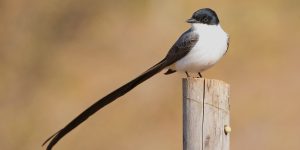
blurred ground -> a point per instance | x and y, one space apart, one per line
58 57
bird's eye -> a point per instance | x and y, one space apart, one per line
205 19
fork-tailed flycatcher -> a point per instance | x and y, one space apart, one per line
196 50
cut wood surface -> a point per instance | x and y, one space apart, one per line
205 114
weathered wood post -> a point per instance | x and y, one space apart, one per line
205 114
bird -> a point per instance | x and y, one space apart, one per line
196 50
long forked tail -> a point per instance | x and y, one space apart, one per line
103 102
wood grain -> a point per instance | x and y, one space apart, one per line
205 114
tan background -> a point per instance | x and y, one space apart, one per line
59 56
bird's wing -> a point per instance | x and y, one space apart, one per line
182 46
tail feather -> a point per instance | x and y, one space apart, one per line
103 102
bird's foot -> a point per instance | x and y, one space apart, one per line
200 76
187 74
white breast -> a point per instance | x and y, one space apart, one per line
210 48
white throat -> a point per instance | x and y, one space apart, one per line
199 27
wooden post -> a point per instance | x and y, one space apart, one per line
205 114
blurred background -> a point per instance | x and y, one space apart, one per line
57 57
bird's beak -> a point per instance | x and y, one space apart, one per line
191 20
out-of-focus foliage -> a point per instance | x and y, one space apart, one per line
59 56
